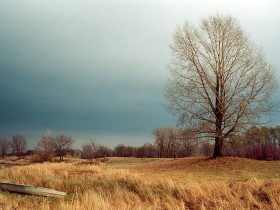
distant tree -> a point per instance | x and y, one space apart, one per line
58 145
93 150
275 134
166 142
189 140
236 147
4 147
88 151
148 150
160 137
103 152
122 150
45 149
260 143
206 149
46 143
62 144
220 81
75 153
172 142
18 145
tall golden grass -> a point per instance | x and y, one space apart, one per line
127 183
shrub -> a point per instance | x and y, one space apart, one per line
40 157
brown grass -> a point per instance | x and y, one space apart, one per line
129 183
203 169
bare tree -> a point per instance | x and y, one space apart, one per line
46 143
173 143
148 150
275 132
122 150
220 81
88 151
58 145
18 145
160 141
100 151
4 147
62 144
188 140
103 152
45 148
166 142
206 149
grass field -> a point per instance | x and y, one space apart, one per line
130 183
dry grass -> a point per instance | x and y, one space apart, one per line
129 183
203 169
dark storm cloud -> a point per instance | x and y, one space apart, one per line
94 67
63 73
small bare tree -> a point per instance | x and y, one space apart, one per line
61 144
4 147
18 145
166 142
188 140
88 151
58 145
94 150
160 141
220 81
172 142
44 150
46 143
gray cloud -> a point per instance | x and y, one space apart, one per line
97 68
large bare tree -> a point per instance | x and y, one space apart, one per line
220 81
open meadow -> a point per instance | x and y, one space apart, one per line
131 183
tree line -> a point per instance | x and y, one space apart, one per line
17 145
93 150
262 143
172 143
50 146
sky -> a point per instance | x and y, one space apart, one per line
96 69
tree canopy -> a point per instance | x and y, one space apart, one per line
220 81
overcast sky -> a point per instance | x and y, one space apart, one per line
96 69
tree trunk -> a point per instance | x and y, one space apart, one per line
218 149
219 140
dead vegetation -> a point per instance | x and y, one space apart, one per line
130 183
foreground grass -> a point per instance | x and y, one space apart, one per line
129 183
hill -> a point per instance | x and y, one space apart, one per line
199 169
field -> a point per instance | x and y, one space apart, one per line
130 183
